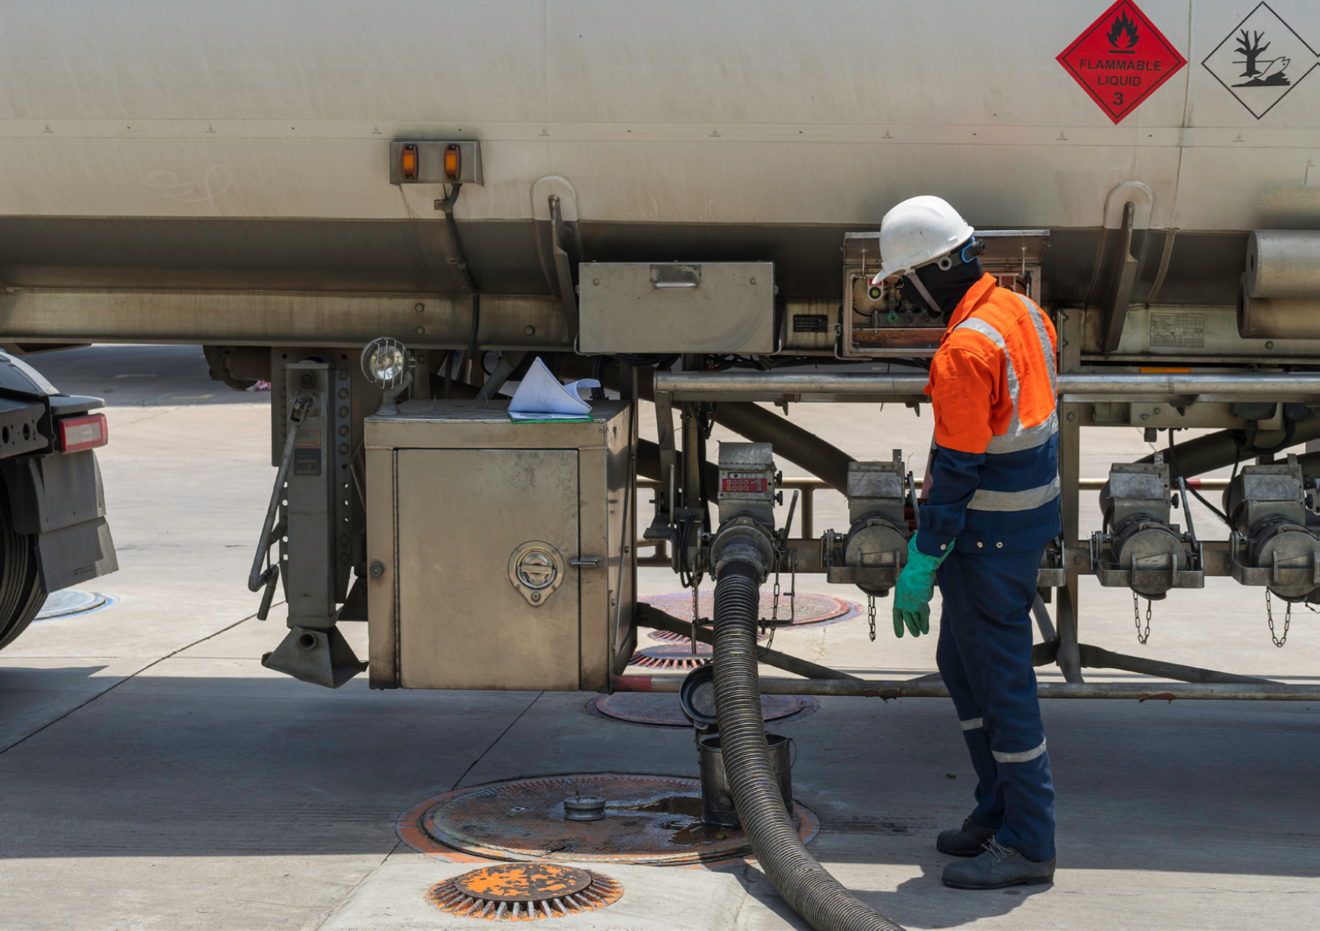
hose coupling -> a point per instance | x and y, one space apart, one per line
747 540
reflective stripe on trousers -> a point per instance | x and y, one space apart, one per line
1024 757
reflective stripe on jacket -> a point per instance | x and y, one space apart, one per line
994 465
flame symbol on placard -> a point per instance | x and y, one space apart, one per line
1123 26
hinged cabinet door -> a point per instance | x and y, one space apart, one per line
464 514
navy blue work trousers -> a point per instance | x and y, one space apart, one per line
984 657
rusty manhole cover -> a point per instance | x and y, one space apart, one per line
809 609
654 820
524 892
672 656
662 709
668 636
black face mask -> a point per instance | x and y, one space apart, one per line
948 287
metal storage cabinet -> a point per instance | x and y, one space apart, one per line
504 561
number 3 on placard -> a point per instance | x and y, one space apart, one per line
1118 98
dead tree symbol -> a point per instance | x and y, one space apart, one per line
1252 49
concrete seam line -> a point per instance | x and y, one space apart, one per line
459 781
348 897
133 675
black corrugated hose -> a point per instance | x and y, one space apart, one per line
814 893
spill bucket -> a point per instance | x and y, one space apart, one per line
716 799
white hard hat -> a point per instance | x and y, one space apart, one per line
917 232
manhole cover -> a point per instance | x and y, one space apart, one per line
808 608
662 709
69 602
672 656
654 820
524 892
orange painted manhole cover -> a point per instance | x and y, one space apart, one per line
652 820
524 892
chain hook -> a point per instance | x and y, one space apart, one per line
696 611
1287 620
1136 619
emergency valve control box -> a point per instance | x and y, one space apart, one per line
500 553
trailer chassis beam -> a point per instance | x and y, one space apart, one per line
925 687
1072 387
245 318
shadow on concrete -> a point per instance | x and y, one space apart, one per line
139 375
205 764
923 901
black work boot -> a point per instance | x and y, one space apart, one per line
966 841
996 868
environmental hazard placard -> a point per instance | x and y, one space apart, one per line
1121 59
1261 60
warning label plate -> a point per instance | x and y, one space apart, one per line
1177 331
1121 59
1261 60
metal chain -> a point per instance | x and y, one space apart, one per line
1136 619
870 614
774 611
1287 620
696 612
792 593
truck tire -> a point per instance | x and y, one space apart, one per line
22 592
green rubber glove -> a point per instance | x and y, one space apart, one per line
915 588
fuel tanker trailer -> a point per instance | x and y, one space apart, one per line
392 211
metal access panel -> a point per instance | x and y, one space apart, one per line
470 512
724 307
499 553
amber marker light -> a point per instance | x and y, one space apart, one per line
408 162
452 163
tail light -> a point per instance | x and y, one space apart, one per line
409 162
453 166
87 432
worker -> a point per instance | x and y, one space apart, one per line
991 506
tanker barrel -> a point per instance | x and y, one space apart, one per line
1279 294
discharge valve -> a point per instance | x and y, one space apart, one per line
746 509
1271 544
1140 547
874 551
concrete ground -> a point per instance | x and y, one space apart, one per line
154 776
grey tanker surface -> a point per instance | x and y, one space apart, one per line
241 156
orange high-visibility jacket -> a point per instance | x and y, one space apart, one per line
994 466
